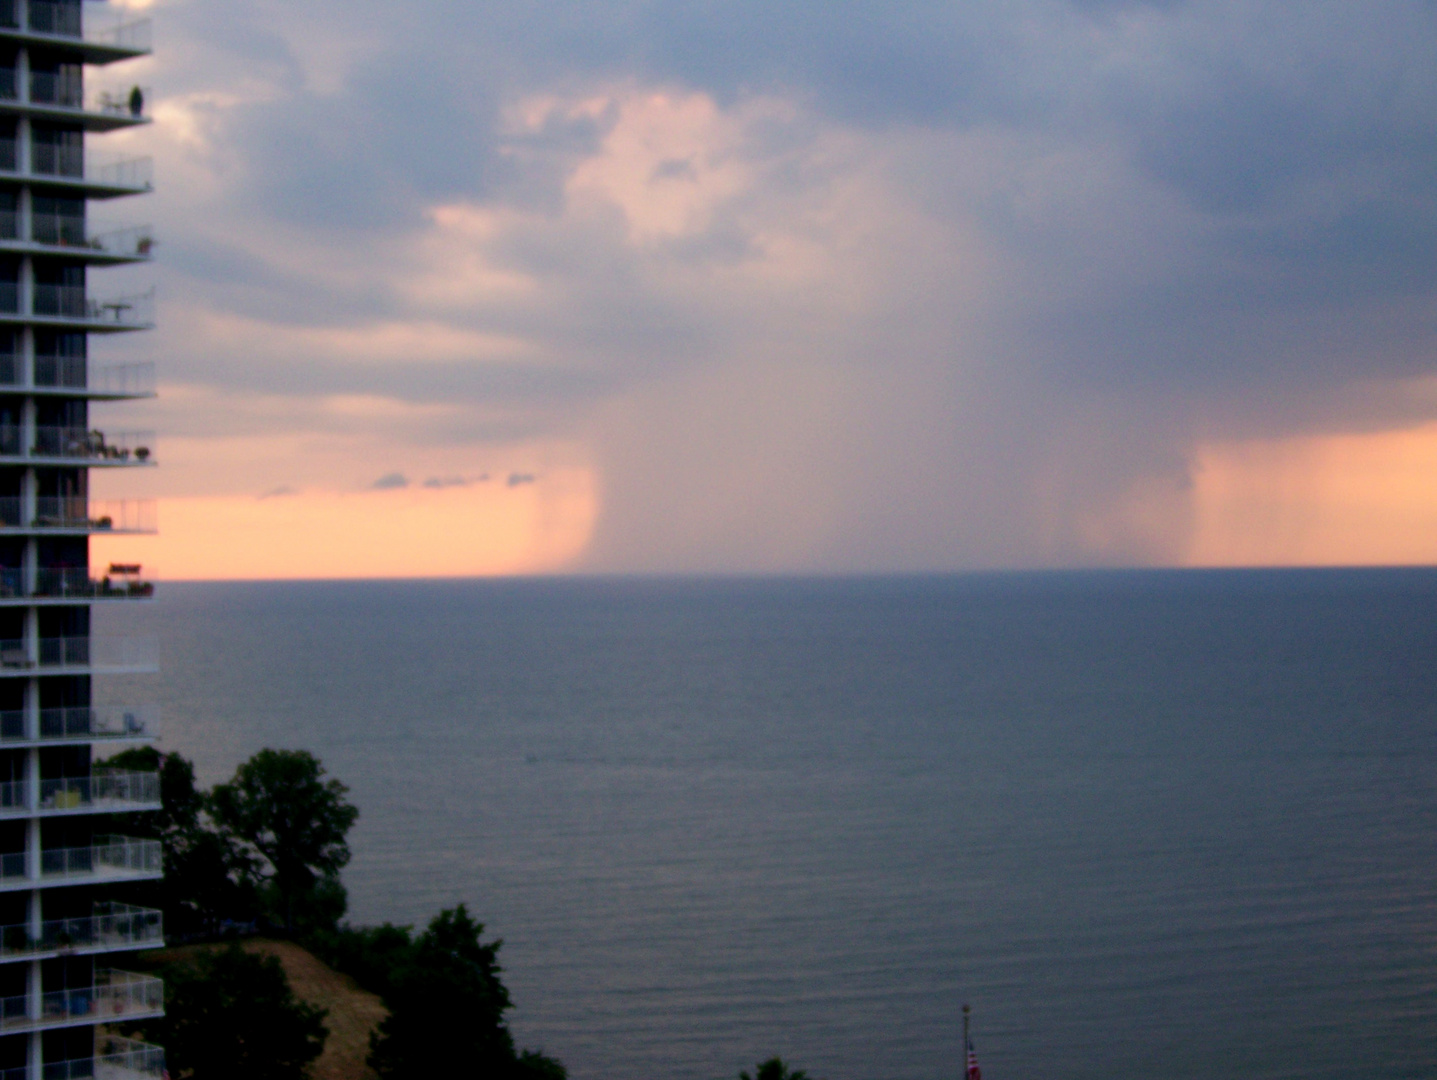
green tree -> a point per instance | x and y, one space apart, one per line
773 1069
281 807
446 1011
207 875
230 1015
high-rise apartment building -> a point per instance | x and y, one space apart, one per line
63 930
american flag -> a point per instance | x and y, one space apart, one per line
974 1073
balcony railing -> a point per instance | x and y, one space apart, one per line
119 1059
116 994
101 792
75 163
98 652
83 234
108 854
66 90
82 722
64 20
132 447
72 302
77 512
112 926
77 373
123 581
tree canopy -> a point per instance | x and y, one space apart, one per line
773 1069
446 1010
280 806
230 1015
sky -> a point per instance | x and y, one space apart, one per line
454 288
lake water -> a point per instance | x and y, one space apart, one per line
1152 825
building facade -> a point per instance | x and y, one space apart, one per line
64 932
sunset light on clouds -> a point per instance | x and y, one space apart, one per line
788 288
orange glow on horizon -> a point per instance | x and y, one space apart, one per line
473 531
1335 500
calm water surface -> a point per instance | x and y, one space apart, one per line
1159 825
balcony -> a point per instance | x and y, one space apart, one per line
86 238
68 445
80 656
123 581
109 859
82 723
77 515
116 996
120 1059
111 928
75 376
100 793
69 306
98 175
60 96
61 25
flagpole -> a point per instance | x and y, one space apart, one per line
966 1010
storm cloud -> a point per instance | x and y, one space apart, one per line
809 286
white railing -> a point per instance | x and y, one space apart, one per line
115 994
96 652
112 926
77 512
102 792
129 447
76 373
119 1059
113 854
70 231
120 582
83 722
75 163
72 302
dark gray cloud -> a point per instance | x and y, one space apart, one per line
1190 217
390 481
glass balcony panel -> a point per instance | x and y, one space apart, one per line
61 230
101 789
121 581
9 297
58 17
71 302
9 225
70 231
65 89
9 84
49 159
91 444
77 512
82 722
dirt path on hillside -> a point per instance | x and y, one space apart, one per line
353 1012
